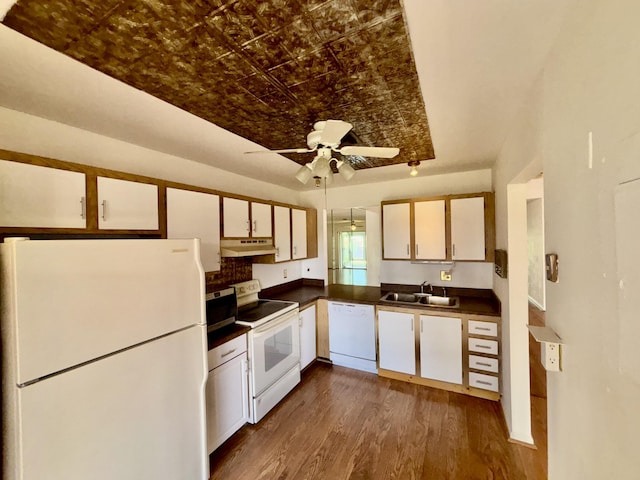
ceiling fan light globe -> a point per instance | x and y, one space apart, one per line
346 170
322 167
304 174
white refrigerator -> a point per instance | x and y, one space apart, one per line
103 360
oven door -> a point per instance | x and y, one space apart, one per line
275 349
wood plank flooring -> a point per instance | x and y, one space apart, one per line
346 424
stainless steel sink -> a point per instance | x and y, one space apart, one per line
401 297
421 299
440 301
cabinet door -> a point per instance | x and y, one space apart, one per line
34 196
396 342
441 348
429 221
125 205
235 218
299 233
282 237
467 228
396 231
260 220
307 336
227 397
196 215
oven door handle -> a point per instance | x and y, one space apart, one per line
270 326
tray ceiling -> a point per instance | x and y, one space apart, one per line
265 70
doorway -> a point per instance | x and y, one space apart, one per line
347 252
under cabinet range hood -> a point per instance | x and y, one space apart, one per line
247 248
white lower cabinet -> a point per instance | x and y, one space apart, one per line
307 336
441 348
396 342
434 350
227 392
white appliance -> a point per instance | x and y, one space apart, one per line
274 347
104 360
352 336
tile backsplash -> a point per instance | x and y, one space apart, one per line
232 270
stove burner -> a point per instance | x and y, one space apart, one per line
256 311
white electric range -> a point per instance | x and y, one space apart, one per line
274 347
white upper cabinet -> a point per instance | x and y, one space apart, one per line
126 205
282 234
467 228
35 196
430 230
196 215
299 233
396 229
396 342
260 220
441 348
235 218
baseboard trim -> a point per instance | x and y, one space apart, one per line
522 443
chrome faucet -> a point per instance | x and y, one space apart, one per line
426 284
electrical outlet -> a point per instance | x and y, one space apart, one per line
284 273
445 276
551 356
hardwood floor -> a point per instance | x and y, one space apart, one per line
346 424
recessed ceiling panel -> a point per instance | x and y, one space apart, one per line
265 70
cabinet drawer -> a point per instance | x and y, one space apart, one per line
225 352
489 329
486 382
483 363
484 346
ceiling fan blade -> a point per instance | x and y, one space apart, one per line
379 152
333 132
288 150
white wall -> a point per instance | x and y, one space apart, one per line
370 196
535 244
520 160
25 133
590 84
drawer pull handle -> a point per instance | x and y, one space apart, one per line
484 383
483 328
483 346
228 353
484 364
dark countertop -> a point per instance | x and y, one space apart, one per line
472 301
223 335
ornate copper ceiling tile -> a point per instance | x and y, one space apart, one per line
376 10
299 37
277 13
334 19
265 70
57 23
238 22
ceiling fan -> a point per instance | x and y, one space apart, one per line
325 138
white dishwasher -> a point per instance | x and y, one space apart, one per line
352 336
